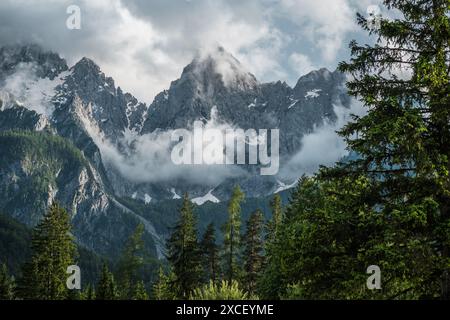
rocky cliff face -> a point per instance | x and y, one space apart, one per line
96 123
56 159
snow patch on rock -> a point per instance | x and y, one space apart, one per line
207 197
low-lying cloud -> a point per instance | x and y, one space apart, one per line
322 147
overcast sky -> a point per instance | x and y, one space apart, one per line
144 44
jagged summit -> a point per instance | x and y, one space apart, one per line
218 67
86 64
87 76
47 64
87 103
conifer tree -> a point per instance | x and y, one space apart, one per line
163 287
403 141
184 252
89 293
232 235
131 263
389 203
140 293
7 284
269 282
210 255
277 217
106 287
53 247
253 250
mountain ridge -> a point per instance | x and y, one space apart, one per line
108 126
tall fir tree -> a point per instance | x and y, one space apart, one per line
404 139
131 263
54 249
184 252
277 217
210 255
389 203
7 284
106 286
232 236
253 242
268 284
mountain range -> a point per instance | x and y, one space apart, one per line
69 134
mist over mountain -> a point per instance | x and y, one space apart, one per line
89 145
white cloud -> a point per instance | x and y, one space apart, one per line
144 45
325 23
301 63
323 146
29 90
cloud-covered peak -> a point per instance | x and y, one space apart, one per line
217 66
46 64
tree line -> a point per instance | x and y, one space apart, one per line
197 266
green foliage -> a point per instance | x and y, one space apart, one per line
222 291
165 213
210 254
106 287
277 217
140 293
14 244
184 253
253 250
232 235
389 205
268 284
44 276
7 284
43 157
88 293
162 289
131 263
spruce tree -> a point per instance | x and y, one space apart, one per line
163 287
184 252
7 284
89 293
268 284
388 204
106 287
54 249
210 255
403 141
253 250
140 293
277 217
232 235
131 263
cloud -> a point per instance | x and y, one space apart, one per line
325 23
147 158
144 45
27 89
301 63
322 147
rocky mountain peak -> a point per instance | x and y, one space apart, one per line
217 68
88 77
47 64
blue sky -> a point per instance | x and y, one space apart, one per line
144 45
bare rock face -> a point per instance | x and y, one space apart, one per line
59 141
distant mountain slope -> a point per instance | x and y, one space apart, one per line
39 168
